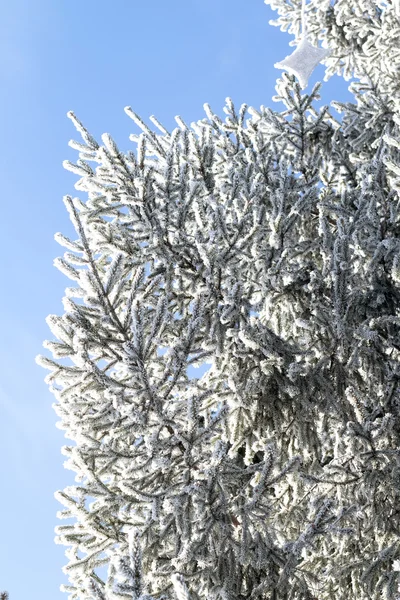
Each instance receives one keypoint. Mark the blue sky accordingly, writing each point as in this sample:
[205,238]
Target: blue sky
[94,57]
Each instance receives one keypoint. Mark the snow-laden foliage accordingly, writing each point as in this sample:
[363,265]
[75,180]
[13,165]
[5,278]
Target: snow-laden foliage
[362,35]
[265,247]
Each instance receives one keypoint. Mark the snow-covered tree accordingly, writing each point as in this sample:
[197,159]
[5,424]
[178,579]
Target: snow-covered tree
[265,246]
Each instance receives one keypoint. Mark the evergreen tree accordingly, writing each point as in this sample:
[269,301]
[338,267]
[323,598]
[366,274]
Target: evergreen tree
[266,245]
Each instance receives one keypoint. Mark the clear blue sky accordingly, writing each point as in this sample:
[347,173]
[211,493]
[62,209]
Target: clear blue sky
[94,57]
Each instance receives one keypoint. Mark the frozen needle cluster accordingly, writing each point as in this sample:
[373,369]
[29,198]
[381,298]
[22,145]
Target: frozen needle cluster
[264,247]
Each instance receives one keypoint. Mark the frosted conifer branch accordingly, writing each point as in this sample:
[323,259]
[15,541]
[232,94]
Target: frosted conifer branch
[234,344]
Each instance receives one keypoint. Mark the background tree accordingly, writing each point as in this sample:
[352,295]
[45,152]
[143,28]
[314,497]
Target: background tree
[266,246]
